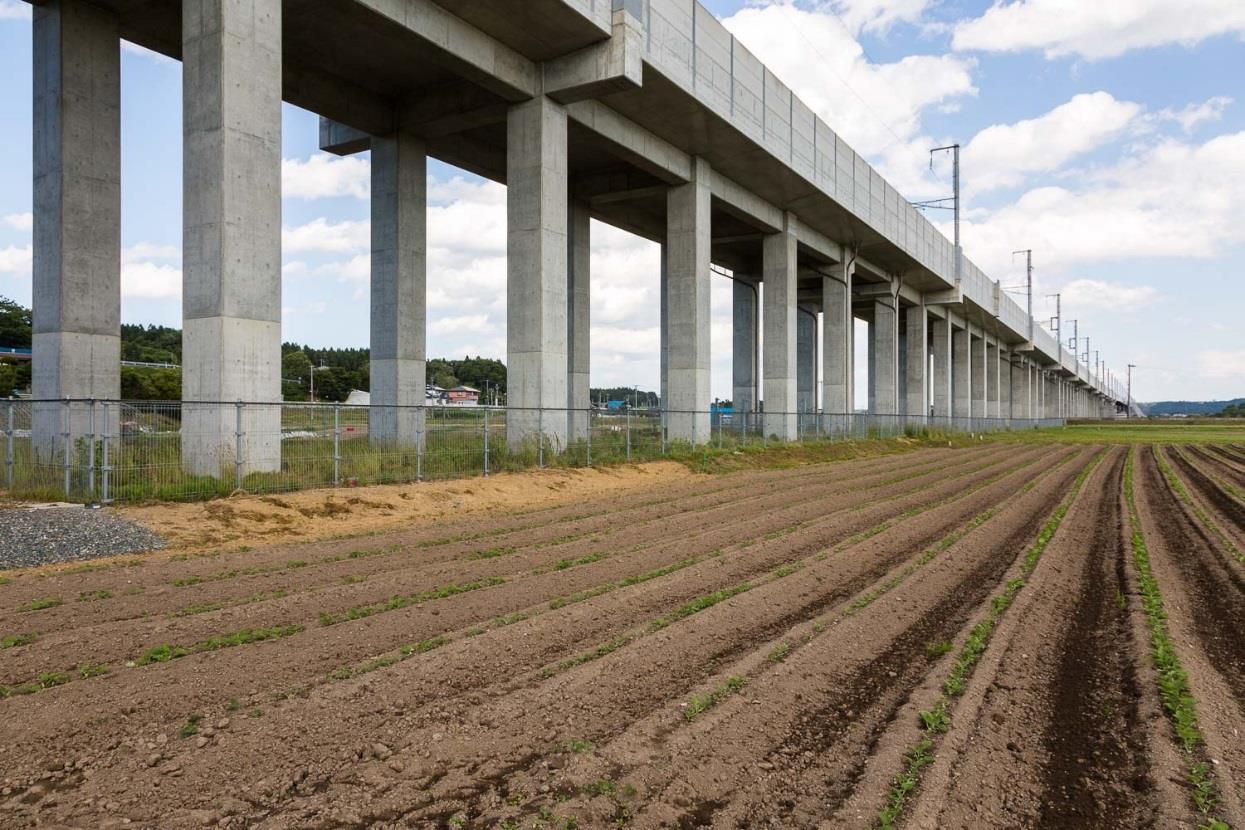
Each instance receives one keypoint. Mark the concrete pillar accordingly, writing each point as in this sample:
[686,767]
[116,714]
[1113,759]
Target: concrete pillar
[978,382]
[941,387]
[778,255]
[1020,390]
[663,320]
[399,294]
[687,306]
[231,249]
[77,215]
[806,360]
[1003,371]
[991,370]
[962,374]
[884,368]
[838,347]
[744,345]
[578,321]
[536,267]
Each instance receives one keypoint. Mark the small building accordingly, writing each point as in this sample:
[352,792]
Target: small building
[463,396]
[435,396]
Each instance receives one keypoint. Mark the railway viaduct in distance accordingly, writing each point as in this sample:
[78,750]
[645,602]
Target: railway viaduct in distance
[645,114]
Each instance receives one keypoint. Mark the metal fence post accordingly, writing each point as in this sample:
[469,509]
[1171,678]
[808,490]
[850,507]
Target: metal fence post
[540,438]
[589,438]
[419,444]
[628,433]
[486,440]
[65,443]
[337,445]
[237,446]
[8,450]
[105,468]
[90,470]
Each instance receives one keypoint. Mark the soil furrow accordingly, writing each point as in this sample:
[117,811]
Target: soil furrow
[1216,588]
[1230,510]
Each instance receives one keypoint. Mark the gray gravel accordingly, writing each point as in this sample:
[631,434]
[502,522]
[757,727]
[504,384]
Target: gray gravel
[39,536]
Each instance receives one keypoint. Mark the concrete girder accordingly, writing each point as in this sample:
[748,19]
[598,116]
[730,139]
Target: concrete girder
[614,65]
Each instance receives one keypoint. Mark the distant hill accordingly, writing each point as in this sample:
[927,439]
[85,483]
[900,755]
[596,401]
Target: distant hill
[1161,408]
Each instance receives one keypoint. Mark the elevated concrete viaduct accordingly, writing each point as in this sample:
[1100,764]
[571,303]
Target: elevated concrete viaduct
[644,114]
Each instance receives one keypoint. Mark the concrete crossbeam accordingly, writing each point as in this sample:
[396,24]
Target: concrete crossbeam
[688,241]
[611,66]
[779,323]
[744,309]
[399,295]
[77,208]
[231,98]
[578,320]
[536,272]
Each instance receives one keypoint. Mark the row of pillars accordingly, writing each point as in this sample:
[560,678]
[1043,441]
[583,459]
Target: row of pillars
[232,80]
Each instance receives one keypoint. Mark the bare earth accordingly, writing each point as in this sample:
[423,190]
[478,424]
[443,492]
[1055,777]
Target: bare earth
[641,647]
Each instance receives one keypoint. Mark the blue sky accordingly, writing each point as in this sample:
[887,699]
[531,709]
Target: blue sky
[1109,137]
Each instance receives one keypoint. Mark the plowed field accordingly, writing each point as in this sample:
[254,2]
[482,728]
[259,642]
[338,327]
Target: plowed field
[1002,636]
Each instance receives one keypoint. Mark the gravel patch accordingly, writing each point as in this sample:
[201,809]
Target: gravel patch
[43,535]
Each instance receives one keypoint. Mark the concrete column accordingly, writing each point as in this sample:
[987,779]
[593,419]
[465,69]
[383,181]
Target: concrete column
[663,320]
[916,363]
[231,249]
[536,268]
[77,215]
[941,388]
[806,360]
[744,345]
[978,382]
[962,374]
[991,371]
[884,371]
[578,321]
[687,306]
[399,290]
[778,254]
[1020,390]
[838,348]
[1003,370]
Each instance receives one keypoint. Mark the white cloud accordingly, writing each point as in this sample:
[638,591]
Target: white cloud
[329,237]
[876,107]
[149,250]
[876,15]
[16,259]
[1001,155]
[20,221]
[1170,199]
[14,10]
[324,175]
[1096,30]
[1108,296]
[1193,115]
[1222,364]
[461,324]
[150,281]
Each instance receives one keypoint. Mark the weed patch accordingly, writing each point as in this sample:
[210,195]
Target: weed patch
[699,704]
[15,640]
[358,612]
[94,596]
[40,604]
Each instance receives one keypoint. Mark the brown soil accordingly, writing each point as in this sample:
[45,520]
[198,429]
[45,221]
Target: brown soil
[551,686]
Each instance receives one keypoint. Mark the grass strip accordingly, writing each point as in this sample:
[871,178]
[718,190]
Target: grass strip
[1173,681]
[699,704]
[937,719]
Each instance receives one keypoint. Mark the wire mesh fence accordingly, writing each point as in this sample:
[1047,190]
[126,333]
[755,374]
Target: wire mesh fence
[105,451]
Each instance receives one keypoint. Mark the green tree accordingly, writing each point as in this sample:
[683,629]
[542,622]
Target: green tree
[14,325]
[8,379]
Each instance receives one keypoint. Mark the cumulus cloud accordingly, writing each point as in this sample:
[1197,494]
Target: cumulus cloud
[876,15]
[1108,296]
[328,237]
[20,221]
[1194,115]
[324,175]
[1097,30]
[1001,155]
[16,260]
[151,272]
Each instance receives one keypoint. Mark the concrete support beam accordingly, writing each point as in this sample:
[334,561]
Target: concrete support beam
[744,345]
[979,378]
[962,374]
[778,254]
[806,360]
[884,367]
[611,66]
[399,292]
[578,320]
[77,215]
[536,272]
[941,389]
[916,364]
[838,346]
[688,232]
[231,250]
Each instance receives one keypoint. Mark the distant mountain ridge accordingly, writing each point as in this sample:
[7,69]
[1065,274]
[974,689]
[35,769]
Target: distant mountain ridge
[1160,408]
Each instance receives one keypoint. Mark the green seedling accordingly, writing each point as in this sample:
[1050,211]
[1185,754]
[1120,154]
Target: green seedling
[14,640]
[40,604]
[191,727]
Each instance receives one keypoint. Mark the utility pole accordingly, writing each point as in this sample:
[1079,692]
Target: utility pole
[1028,252]
[1058,317]
[955,189]
[1128,410]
